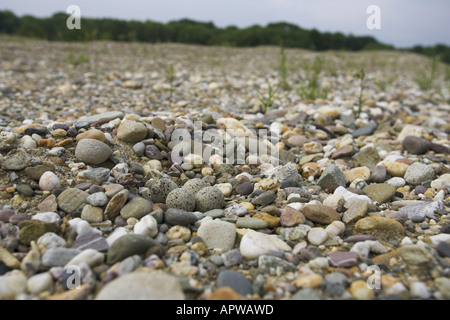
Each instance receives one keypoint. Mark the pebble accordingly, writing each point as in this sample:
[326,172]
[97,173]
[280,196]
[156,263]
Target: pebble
[6,214]
[264,198]
[335,228]
[142,286]
[418,212]
[416,145]
[320,213]
[396,182]
[181,217]
[334,284]
[181,198]
[104,115]
[97,175]
[39,283]
[34,229]
[116,203]
[131,131]
[72,201]
[380,227]
[291,217]
[195,185]
[59,256]
[89,256]
[12,284]
[49,217]
[254,244]
[218,234]
[128,245]
[443,248]
[378,174]
[209,198]
[179,233]
[419,289]
[357,209]
[317,236]
[49,181]
[231,258]
[379,192]
[92,214]
[332,177]
[90,240]
[395,169]
[98,199]
[360,291]
[368,157]
[418,173]
[357,173]
[236,281]
[92,151]
[8,259]
[251,223]
[136,208]
[160,188]
[343,259]
[310,280]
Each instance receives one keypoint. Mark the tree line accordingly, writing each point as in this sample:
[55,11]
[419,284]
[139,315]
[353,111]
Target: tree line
[194,32]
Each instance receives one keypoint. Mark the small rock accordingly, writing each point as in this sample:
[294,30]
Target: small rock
[380,227]
[217,234]
[368,157]
[357,173]
[49,204]
[90,240]
[72,201]
[35,229]
[92,134]
[231,258]
[360,291]
[128,245]
[12,284]
[317,236]
[209,198]
[17,159]
[265,198]
[89,256]
[181,198]
[418,212]
[152,152]
[98,199]
[296,140]
[310,280]
[116,203]
[92,214]
[379,174]
[343,259]
[142,286]
[443,248]
[91,151]
[416,145]
[357,210]
[131,131]
[291,217]
[195,185]
[136,208]
[251,223]
[49,217]
[160,188]
[181,217]
[418,173]
[320,213]
[236,281]
[379,192]
[332,177]
[365,131]
[49,181]
[59,256]
[395,169]
[97,175]
[253,244]
[39,283]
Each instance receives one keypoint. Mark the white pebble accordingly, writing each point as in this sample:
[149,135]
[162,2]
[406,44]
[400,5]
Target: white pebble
[39,283]
[116,234]
[28,142]
[56,151]
[362,249]
[376,246]
[50,240]
[299,246]
[317,236]
[89,256]
[49,181]
[318,263]
[419,289]
[226,188]
[442,237]
[335,228]
[50,217]
[405,241]
[147,226]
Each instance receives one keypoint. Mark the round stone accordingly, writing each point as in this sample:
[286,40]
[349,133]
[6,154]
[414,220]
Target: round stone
[181,198]
[416,145]
[136,208]
[146,226]
[92,134]
[98,199]
[159,189]
[92,151]
[72,200]
[92,214]
[244,188]
[195,185]
[131,131]
[181,217]
[317,236]
[217,234]
[209,198]
[49,181]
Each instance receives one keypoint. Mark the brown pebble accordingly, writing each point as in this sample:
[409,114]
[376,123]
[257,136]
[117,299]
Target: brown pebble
[49,143]
[92,134]
[15,219]
[64,143]
[320,213]
[225,293]
[291,217]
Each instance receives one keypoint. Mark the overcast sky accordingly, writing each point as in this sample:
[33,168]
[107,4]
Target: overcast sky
[404,23]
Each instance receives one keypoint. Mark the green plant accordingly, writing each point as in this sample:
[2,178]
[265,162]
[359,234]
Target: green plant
[283,69]
[311,88]
[77,60]
[266,102]
[424,80]
[363,81]
[170,77]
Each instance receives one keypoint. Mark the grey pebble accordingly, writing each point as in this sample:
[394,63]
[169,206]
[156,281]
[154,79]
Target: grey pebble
[236,281]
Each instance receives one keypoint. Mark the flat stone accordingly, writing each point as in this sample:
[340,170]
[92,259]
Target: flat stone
[181,217]
[343,152]
[365,131]
[218,234]
[98,199]
[17,159]
[34,229]
[381,227]
[231,258]
[114,205]
[49,204]
[136,208]
[265,198]
[128,245]
[58,256]
[379,174]
[332,177]
[343,259]
[6,214]
[418,212]
[357,210]
[90,240]
[152,152]
[72,201]
[368,157]
[320,213]
[97,175]
[142,286]
[418,258]
[416,145]
[92,214]
[379,192]
[105,115]
[251,223]
[236,281]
